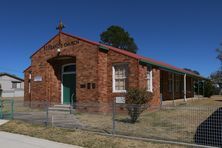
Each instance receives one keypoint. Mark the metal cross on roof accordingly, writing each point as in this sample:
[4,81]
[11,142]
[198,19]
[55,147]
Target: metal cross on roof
[60,26]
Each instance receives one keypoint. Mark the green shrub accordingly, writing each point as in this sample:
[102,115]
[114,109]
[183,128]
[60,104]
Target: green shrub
[137,101]
[208,89]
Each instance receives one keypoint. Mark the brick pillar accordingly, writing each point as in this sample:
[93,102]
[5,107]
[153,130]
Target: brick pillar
[156,87]
[102,78]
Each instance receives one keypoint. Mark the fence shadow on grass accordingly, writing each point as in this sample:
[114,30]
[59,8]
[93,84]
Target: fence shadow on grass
[209,132]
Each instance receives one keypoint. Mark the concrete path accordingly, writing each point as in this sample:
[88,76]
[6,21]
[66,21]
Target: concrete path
[9,140]
[3,121]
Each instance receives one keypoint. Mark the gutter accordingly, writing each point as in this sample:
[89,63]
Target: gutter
[170,69]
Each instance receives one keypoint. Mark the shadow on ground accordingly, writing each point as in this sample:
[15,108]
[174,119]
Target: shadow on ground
[209,132]
[218,100]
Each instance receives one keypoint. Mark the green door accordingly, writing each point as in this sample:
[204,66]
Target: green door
[69,88]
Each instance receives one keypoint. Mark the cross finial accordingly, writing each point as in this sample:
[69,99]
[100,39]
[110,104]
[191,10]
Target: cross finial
[60,26]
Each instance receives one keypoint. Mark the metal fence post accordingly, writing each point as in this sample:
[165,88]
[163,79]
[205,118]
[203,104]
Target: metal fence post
[47,113]
[1,106]
[161,100]
[52,121]
[113,118]
[12,108]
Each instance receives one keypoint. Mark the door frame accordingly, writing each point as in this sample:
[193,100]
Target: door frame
[63,73]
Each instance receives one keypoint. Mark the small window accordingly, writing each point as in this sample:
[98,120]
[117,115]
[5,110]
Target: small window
[69,68]
[16,85]
[149,79]
[88,85]
[119,78]
[82,85]
[93,85]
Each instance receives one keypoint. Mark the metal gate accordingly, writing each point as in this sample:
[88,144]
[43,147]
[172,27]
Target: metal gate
[6,108]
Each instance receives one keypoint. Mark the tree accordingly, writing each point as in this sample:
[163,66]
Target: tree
[219,56]
[208,89]
[137,102]
[216,79]
[117,37]
[193,71]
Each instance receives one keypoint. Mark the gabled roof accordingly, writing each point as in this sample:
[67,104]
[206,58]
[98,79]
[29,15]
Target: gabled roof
[10,75]
[132,55]
[27,68]
[44,45]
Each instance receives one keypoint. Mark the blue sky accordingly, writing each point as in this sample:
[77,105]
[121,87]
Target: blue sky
[184,33]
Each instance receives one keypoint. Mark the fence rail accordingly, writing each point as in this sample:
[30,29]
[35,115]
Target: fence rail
[182,124]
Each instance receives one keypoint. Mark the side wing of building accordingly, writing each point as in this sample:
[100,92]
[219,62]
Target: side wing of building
[11,86]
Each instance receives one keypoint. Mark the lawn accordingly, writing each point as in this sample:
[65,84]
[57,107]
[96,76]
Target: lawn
[77,137]
[168,123]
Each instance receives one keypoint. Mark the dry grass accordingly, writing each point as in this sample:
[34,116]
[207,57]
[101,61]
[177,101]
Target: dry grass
[178,123]
[76,137]
[171,123]
[214,101]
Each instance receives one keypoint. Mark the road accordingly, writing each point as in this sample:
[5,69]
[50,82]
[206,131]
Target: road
[9,140]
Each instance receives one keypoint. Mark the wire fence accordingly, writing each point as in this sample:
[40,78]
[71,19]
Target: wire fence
[200,125]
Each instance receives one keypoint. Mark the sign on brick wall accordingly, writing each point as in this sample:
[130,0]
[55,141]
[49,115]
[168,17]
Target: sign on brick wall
[120,100]
[61,45]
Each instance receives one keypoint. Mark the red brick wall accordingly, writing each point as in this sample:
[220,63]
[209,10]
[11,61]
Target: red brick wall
[156,82]
[92,66]
[115,58]
[180,94]
[102,76]
[156,87]
[85,57]
[27,95]
[190,89]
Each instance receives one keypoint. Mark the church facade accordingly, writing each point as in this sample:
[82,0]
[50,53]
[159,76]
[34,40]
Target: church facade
[69,69]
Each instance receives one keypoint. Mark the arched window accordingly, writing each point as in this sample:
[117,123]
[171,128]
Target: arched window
[71,68]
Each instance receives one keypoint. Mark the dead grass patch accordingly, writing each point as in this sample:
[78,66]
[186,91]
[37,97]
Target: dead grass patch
[76,137]
[174,123]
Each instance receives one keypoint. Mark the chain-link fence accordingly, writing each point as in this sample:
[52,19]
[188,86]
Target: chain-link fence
[183,123]
[196,125]
[6,108]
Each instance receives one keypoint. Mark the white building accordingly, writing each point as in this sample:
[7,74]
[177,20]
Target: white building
[11,85]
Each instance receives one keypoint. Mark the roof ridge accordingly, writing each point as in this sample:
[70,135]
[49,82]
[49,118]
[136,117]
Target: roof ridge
[137,56]
[11,75]
[130,54]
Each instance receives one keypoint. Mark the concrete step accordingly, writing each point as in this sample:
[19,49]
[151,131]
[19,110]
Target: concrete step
[58,109]
[62,105]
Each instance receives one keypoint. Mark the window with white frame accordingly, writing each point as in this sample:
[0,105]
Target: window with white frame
[170,82]
[149,79]
[119,77]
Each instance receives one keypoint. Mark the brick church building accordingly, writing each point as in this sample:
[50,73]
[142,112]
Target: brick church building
[72,69]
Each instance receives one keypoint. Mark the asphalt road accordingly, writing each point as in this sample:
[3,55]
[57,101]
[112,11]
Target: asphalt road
[9,140]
